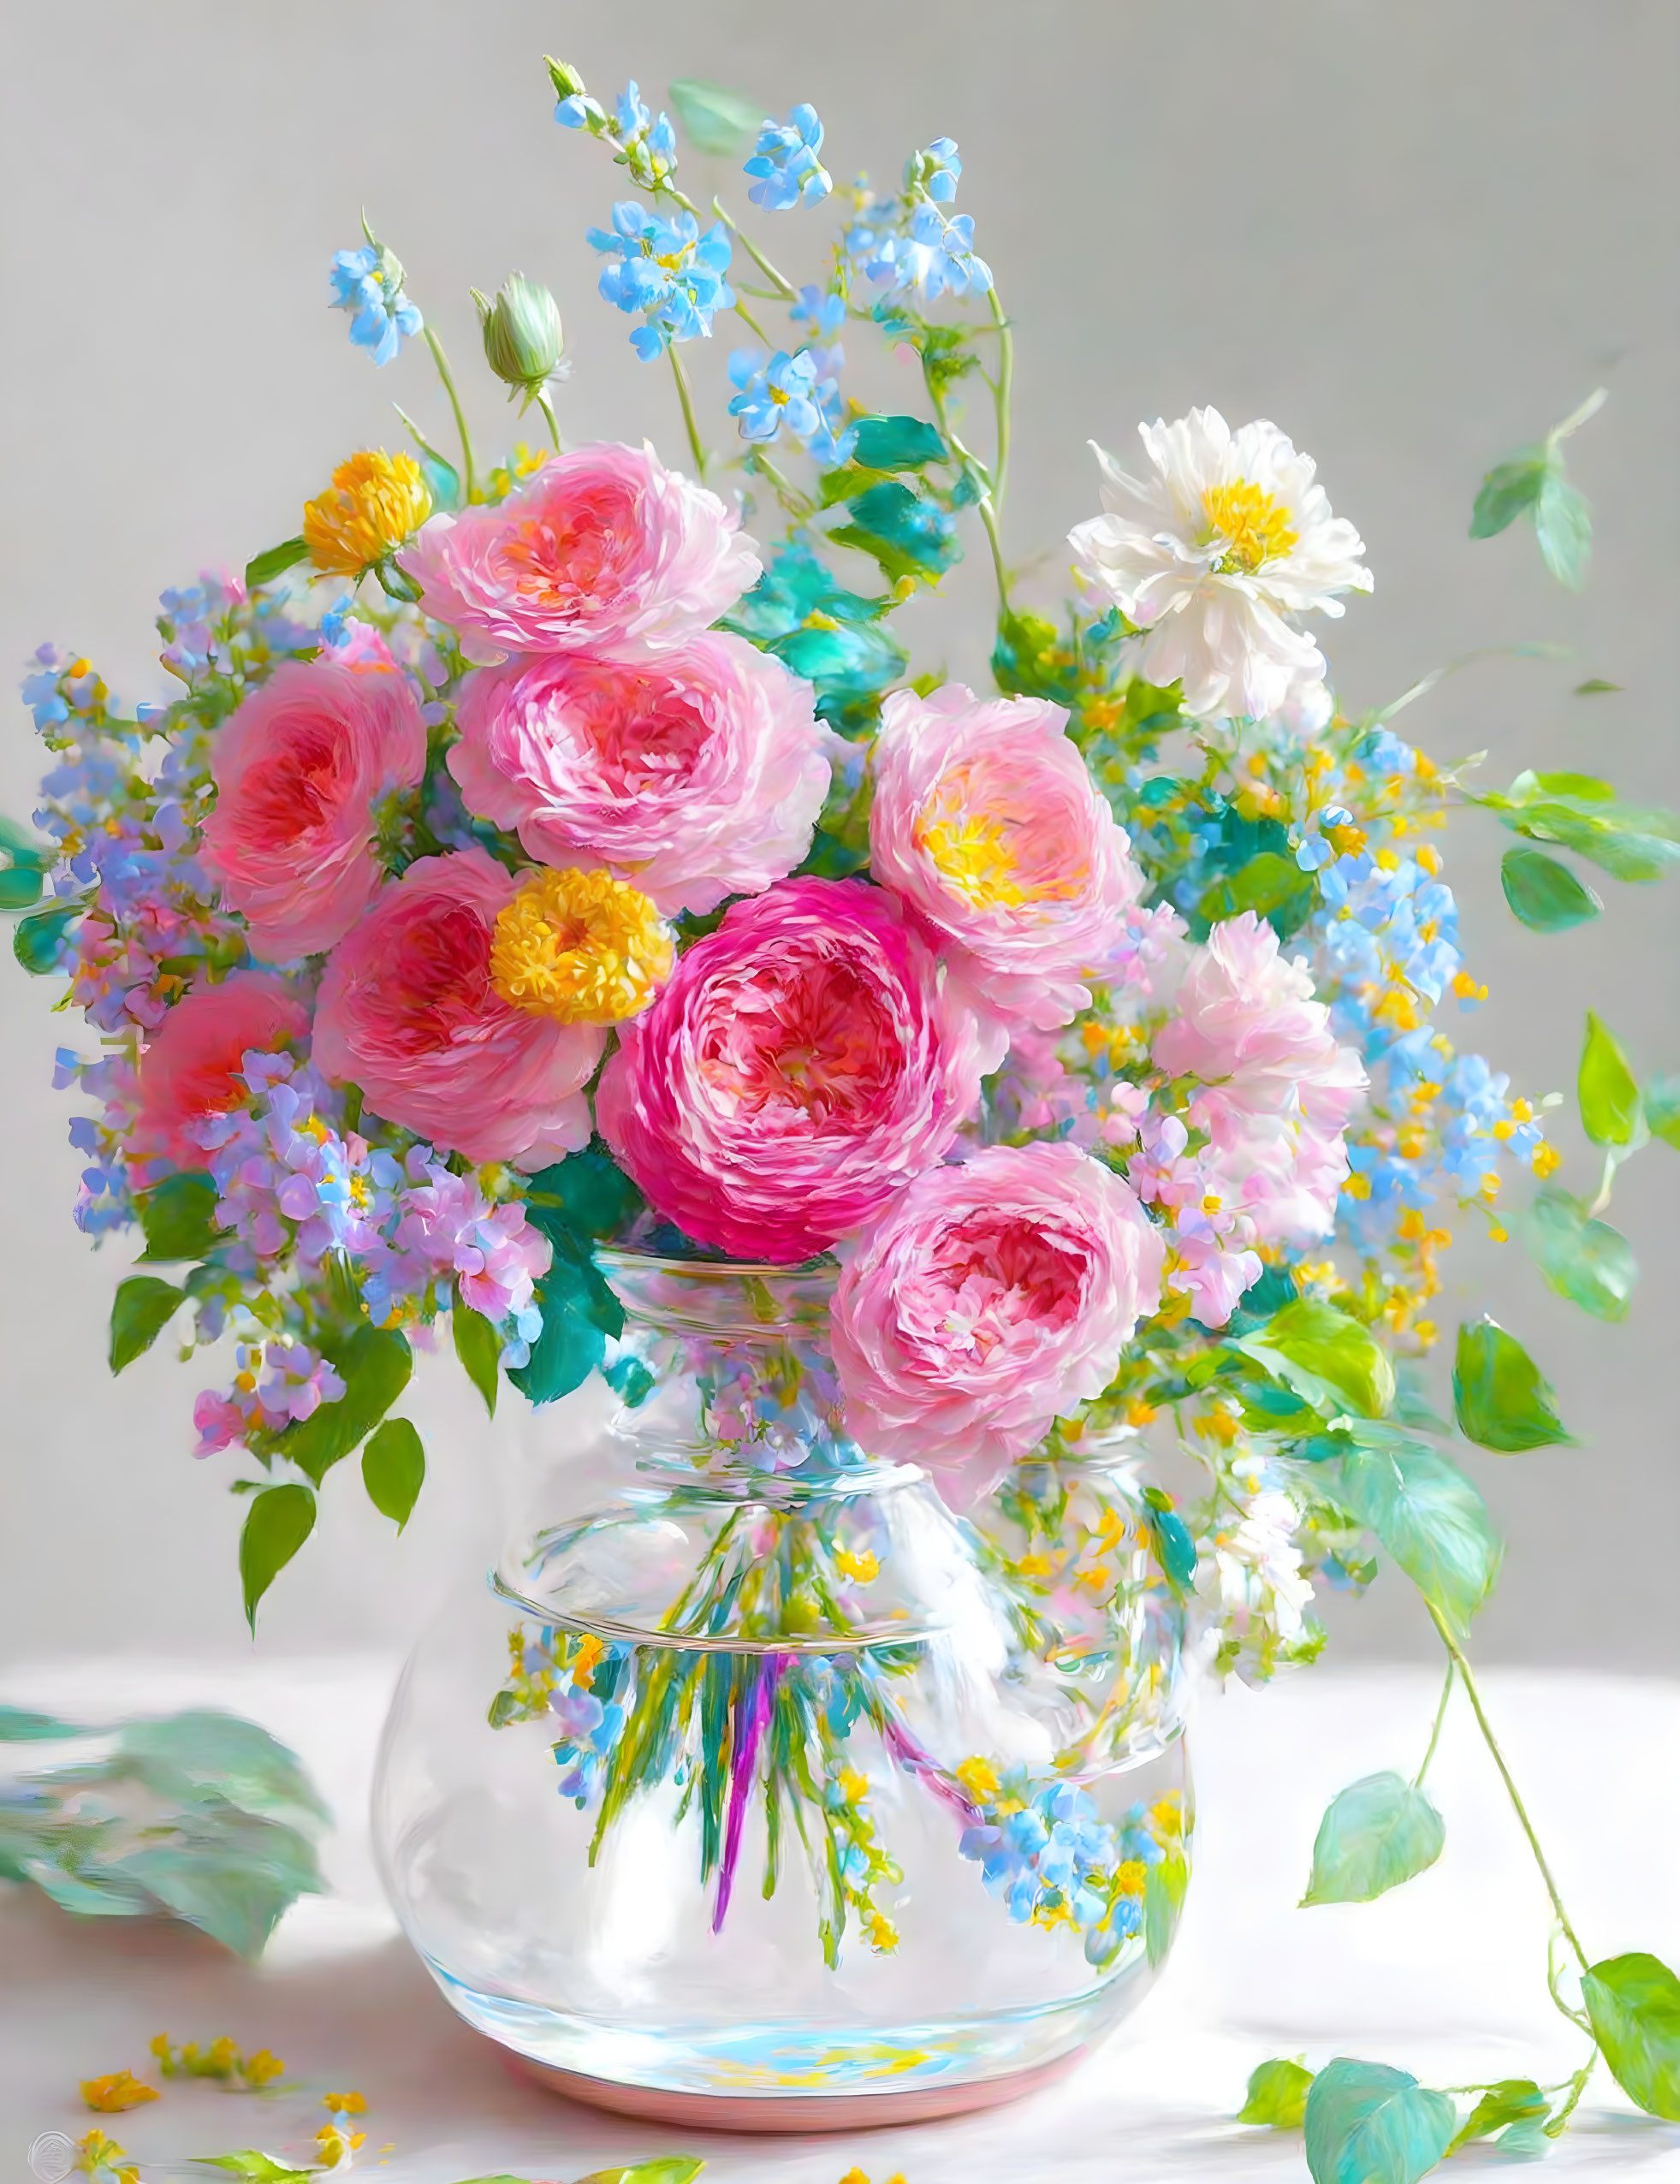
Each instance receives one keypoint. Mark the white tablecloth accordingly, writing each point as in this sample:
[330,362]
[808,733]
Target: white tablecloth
[1445,1977]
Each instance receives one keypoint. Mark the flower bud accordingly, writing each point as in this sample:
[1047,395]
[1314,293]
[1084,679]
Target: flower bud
[522,335]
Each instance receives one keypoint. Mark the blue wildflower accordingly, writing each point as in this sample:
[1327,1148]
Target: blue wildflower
[649,145]
[667,270]
[368,283]
[824,313]
[784,164]
[935,256]
[935,171]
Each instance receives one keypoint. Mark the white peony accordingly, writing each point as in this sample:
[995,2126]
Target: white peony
[1209,555]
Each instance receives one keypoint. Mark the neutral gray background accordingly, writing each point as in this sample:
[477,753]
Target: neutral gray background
[1415,235]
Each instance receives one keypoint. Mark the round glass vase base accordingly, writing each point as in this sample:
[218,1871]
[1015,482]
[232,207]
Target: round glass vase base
[805,2113]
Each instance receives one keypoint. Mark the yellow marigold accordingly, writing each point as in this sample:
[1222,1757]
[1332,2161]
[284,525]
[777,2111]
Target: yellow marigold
[121,2090]
[579,946]
[376,501]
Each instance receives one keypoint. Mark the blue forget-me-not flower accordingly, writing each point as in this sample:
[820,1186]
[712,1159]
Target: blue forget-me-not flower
[368,283]
[787,169]
[666,270]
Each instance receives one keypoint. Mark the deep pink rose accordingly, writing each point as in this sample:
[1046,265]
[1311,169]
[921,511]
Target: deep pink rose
[803,1063]
[602,550]
[989,1299]
[190,1069]
[298,769]
[406,1011]
[696,776]
[985,819]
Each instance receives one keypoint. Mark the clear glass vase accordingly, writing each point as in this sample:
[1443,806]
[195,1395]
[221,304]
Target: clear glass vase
[756,1787]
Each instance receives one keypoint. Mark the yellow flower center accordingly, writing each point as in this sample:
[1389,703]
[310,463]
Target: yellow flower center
[1256,528]
[582,946]
[973,853]
[376,501]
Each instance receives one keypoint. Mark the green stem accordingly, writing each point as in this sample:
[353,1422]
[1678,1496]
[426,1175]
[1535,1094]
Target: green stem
[1436,1733]
[796,502]
[1577,418]
[1577,2084]
[984,506]
[783,287]
[1467,1677]
[742,313]
[468,487]
[686,396]
[547,408]
[1606,1184]
[1002,388]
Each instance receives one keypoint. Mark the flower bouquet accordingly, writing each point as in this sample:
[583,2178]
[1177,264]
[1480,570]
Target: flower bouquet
[553,906]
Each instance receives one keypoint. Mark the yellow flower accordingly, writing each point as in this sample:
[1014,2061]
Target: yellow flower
[980,1778]
[111,2095]
[261,2068]
[861,1568]
[99,2156]
[376,501]
[345,2103]
[1545,1161]
[579,946]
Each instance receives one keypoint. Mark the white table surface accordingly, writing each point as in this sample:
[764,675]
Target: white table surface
[1445,1978]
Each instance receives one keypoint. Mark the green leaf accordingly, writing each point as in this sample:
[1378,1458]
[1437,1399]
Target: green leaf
[1545,894]
[374,1364]
[258,2168]
[1564,526]
[907,535]
[1499,1396]
[478,1347]
[142,1308]
[587,1190]
[441,474]
[1367,2124]
[1264,884]
[1375,1834]
[1276,2095]
[720,122]
[1634,2002]
[668,2169]
[36,938]
[262,567]
[1662,1109]
[24,847]
[19,1726]
[1325,1356]
[394,1469]
[1513,2100]
[1583,1259]
[1163,1891]
[279,1521]
[1630,842]
[232,1874]
[1431,1520]
[897,443]
[579,1311]
[1509,490]
[1606,1089]
[204,1752]
[19,887]
[1595,686]
[178,1217]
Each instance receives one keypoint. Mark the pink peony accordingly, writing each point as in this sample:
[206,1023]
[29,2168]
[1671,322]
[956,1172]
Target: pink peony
[192,1062]
[407,1012]
[1277,1091]
[803,1063]
[988,1300]
[299,770]
[602,550]
[986,821]
[697,775]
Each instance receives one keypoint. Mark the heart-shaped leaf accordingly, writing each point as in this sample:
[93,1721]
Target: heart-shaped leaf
[143,1307]
[1276,2095]
[278,1521]
[1606,1089]
[1431,1520]
[1367,2124]
[1375,1834]
[1583,1258]
[1634,2002]
[394,1469]
[1500,1397]
[1545,894]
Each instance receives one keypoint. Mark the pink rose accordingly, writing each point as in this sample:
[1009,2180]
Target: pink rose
[602,550]
[1277,1090]
[988,1300]
[298,769]
[697,775]
[986,821]
[191,1067]
[406,1011]
[803,1063]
